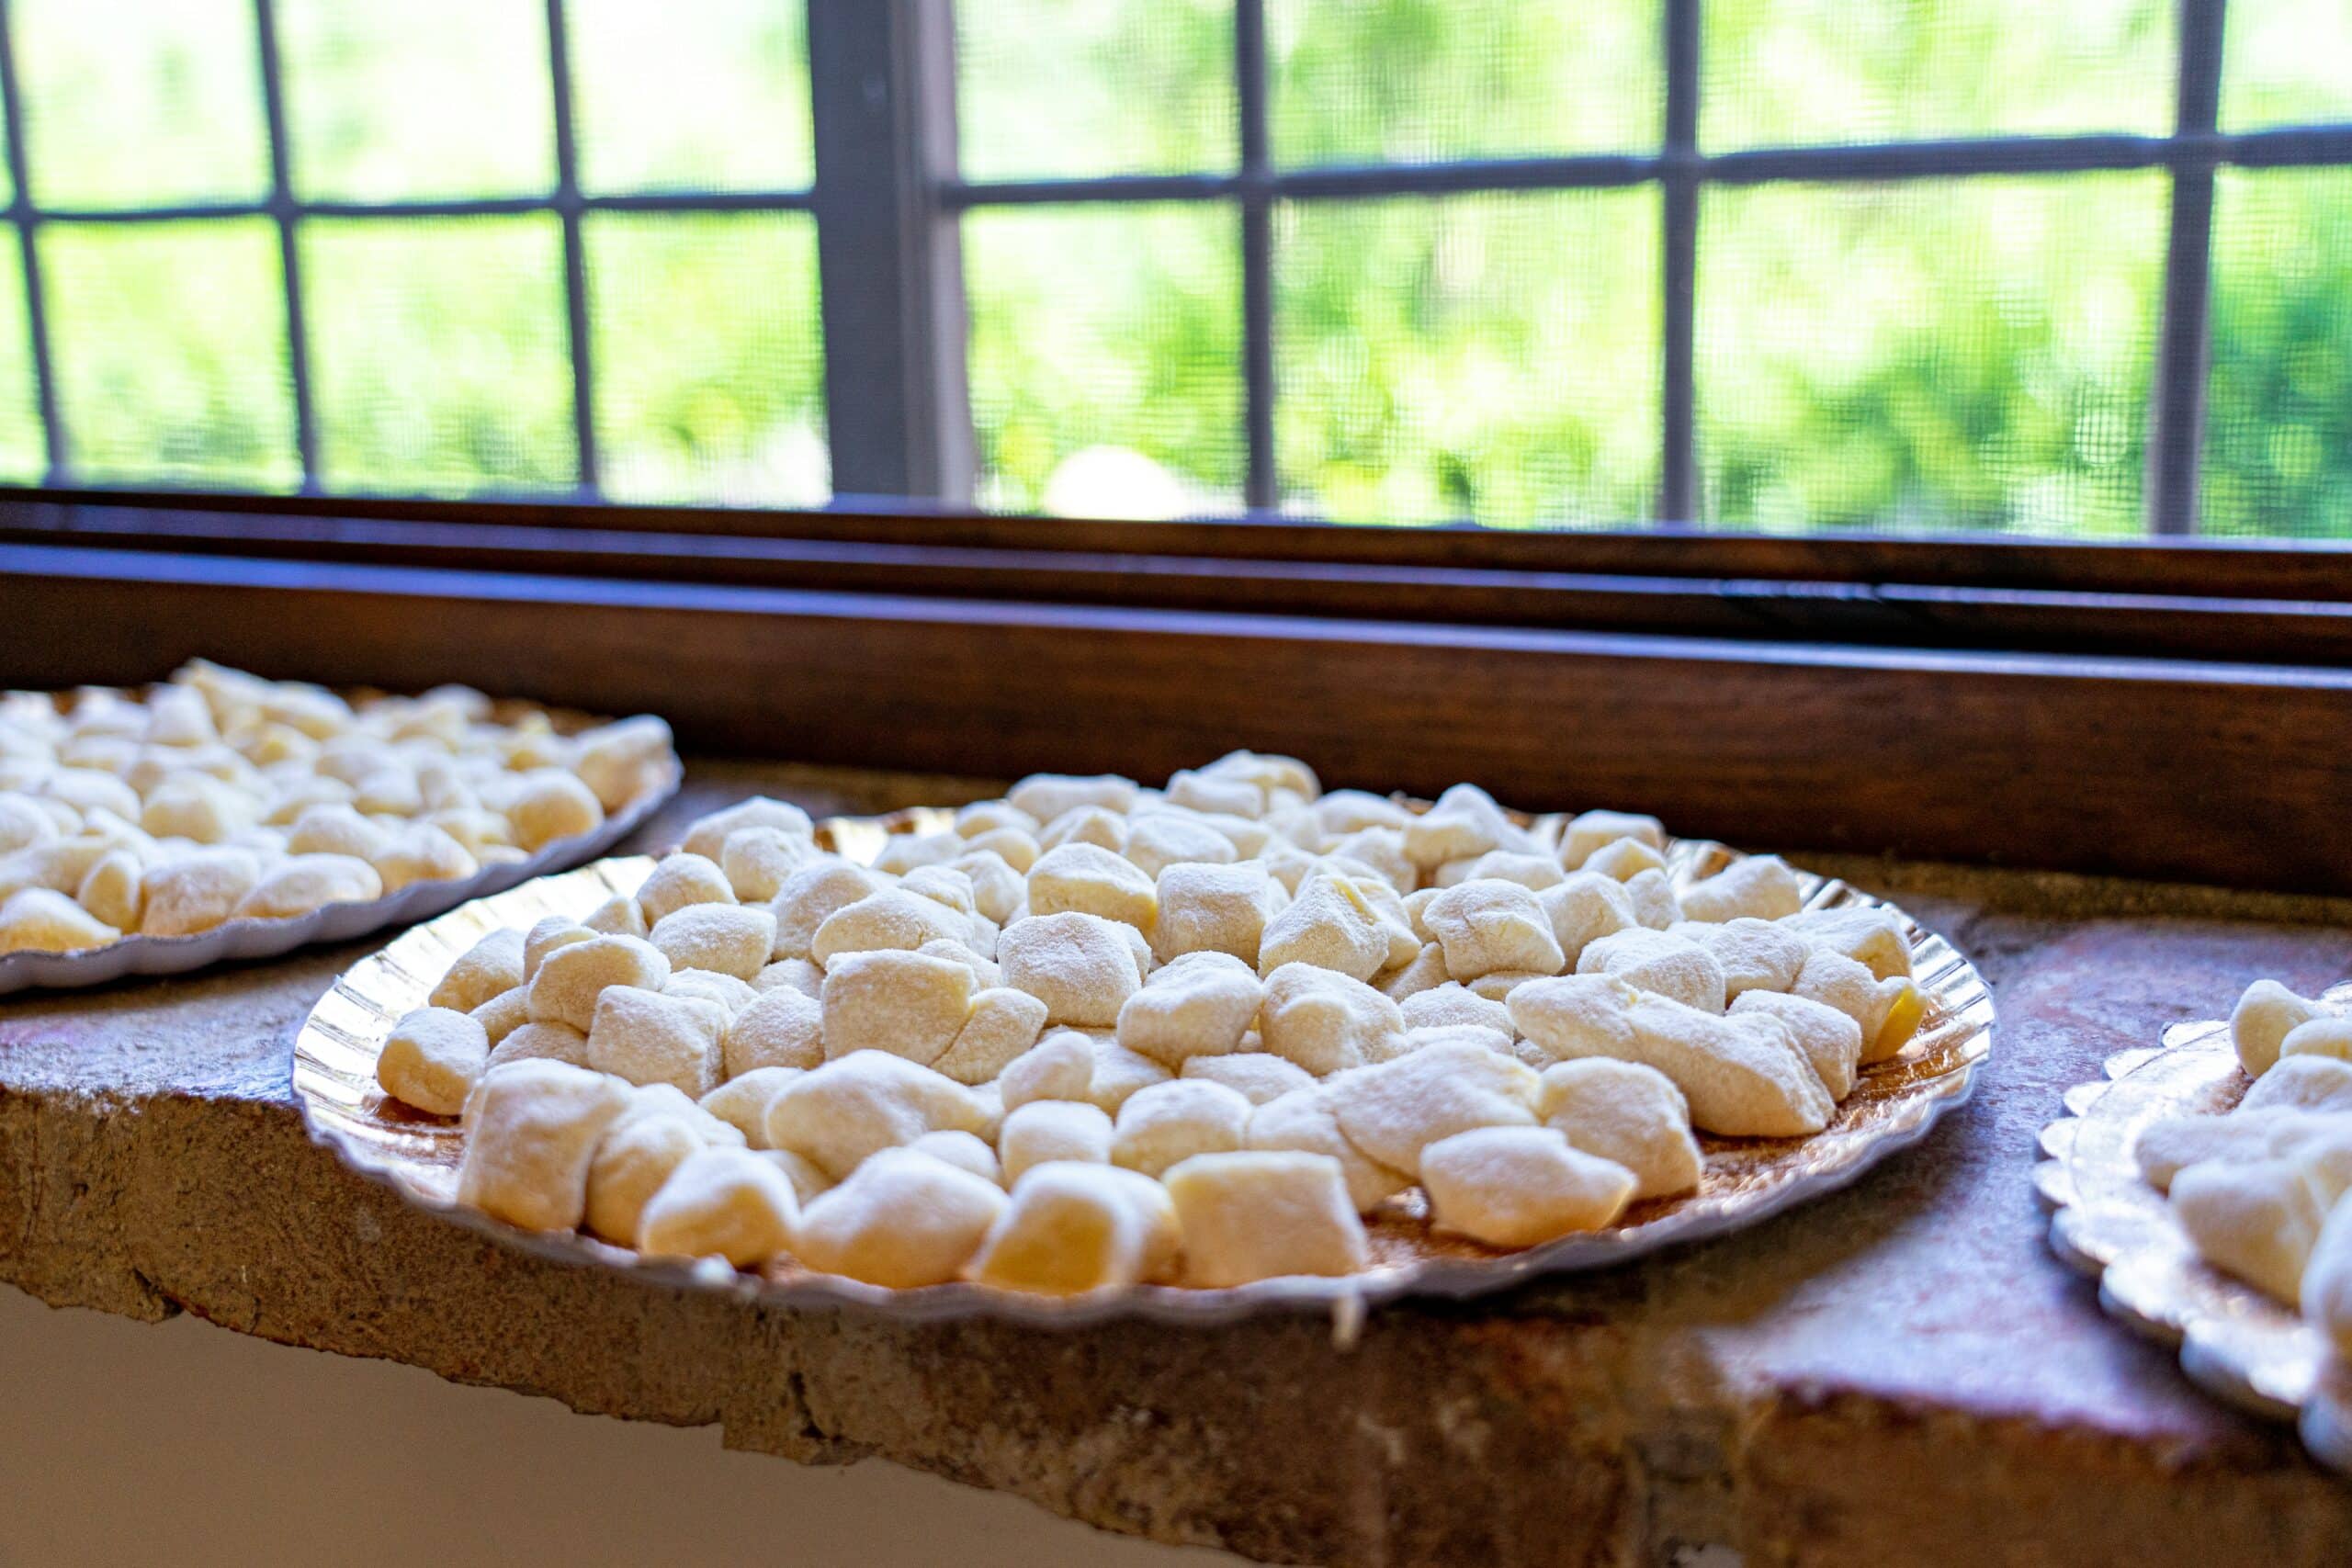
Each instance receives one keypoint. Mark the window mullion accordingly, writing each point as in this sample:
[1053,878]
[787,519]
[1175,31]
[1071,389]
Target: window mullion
[569,207]
[2177,429]
[1261,486]
[26,219]
[283,212]
[1677,484]
[882,97]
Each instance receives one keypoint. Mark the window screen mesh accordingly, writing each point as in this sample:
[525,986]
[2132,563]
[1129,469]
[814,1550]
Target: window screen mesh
[1449,277]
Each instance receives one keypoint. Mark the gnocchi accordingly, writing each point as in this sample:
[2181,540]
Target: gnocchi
[1094,1037]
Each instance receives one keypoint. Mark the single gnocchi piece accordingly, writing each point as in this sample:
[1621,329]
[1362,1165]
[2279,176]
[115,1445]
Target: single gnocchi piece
[1059,1066]
[1200,1005]
[1743,1077]
[1041,1131]
[1260,1214]
[1591,830]
[299,884]
[530,1042]
[1205,908]
[707,837]
[1258,1076]
[1166,1122]
[1624,859]
[2264,1015]
[1426,971]
[901,1219]
[682,881]
[432,1060]
[891,918]
[1000,1027]
[1091,880]
[1520,1186]
[1164,839]
[726,939]
[637,1155]
[1756,955]
[743,1099]
[856,1106]
[811,896]
[545,936]
[781,1027]
[2257,1221]
[1662,963]
[1074,1226]
[1079,966]
[646,1037]
[1759,887]
[1306,1121]
[2309,1081]
[1487,924]
[196,890]
[722,1202]
[1118,1073]
[1651,892]
[1395,1111]
[1888,1011]
[569,979]
[1870,936]
[551,805]
[42,920]
[1628,1114]
[1045,796]
[625,759]
[1830,1042]
[904,1003]
[1332,924]
[2330,1037]
[1326,1023]
[533,1129]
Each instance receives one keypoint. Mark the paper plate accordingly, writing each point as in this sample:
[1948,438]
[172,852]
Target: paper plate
[2235,1341]
[235,939]
[1747,1180]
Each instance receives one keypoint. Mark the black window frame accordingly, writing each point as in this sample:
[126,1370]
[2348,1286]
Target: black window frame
[888,200]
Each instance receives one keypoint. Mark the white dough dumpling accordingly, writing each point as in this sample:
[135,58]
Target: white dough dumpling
[1079,964]
[1520,1186]
[1166,1123]
[1263,1214]
[902,1219]
[904,1003]
[722,1202]
[1075,1227]
[533,1129]
[1626,1113]
[2263,1018]
[1043,1131]
[1327,1023]
[433,1058]
[850,1109]
[1395,1111]
[648,1037]
[1197,1005]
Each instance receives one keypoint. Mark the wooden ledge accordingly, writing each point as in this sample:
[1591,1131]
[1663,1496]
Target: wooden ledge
[1900,1373]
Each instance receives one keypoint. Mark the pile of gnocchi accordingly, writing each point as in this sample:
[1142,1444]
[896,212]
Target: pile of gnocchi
[2260,1190]
[221,796]
[1094,1035]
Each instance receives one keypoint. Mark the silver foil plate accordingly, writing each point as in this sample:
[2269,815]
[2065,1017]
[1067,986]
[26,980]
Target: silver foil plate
[1747,1180]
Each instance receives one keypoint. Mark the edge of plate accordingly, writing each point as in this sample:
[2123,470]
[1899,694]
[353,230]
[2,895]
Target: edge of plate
[2106,1223]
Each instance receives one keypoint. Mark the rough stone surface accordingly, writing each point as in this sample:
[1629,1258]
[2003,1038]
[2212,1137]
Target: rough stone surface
[1902,1374]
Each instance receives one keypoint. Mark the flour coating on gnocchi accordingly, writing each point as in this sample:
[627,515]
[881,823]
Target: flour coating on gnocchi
[1094,1035]
[217,797]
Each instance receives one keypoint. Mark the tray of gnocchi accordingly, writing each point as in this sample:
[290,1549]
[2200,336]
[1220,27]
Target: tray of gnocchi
[1092,1050]
[217,816]
[2203,1183]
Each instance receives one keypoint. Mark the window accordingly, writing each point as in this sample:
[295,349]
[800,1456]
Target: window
[1935,266]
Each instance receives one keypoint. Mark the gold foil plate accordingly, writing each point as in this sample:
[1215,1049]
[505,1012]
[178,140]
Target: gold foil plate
[1747,1180]
[2235,1341]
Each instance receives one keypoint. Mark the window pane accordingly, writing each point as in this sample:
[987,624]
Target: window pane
[137,102]
[1931,356]
[2278,408]
[710,376]
[23,458]
[1067,87]
[170,346]
[439,350]
[1106,359]
[2286,62]
[1812,70]
[1494,358]
[716,102]
[1411,80]
[422,98]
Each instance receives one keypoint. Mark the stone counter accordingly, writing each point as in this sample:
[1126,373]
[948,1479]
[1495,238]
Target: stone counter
[1900,1373]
